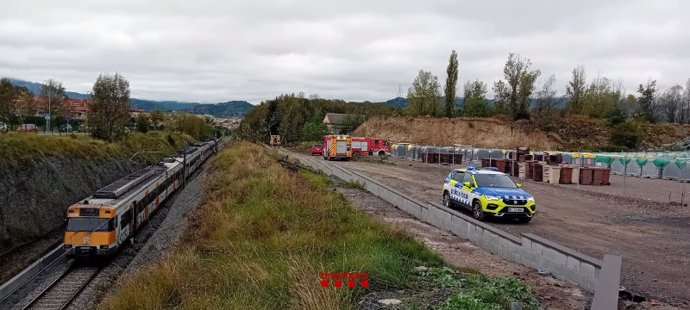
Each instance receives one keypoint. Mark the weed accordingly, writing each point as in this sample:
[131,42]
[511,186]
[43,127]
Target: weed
[443,277]
[354,185]
[482,292]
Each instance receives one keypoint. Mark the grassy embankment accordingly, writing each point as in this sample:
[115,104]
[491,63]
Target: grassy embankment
[263,236]
[19,149]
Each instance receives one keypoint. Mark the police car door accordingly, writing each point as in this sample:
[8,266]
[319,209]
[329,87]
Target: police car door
[456,185]
[466,192]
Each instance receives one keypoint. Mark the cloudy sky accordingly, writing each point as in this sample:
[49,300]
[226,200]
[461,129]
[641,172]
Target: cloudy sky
[210,51]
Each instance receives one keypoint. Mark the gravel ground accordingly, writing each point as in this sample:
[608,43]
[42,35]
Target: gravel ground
[553,294]
[653,238]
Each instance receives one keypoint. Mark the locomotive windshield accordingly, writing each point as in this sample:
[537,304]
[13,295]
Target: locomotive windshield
[90,224]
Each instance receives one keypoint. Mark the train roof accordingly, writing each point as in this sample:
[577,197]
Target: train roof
[129,183]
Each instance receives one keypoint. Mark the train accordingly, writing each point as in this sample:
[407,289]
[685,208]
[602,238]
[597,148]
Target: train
[100,224]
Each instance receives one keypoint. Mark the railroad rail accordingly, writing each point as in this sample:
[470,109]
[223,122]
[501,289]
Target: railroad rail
[60,293]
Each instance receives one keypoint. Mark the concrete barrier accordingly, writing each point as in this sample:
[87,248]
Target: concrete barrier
[528,249]
[606,296]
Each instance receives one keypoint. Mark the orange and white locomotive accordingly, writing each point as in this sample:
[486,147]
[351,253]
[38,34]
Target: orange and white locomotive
[101,223]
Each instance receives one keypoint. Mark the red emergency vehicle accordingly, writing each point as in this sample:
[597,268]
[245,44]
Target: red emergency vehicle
[371,146]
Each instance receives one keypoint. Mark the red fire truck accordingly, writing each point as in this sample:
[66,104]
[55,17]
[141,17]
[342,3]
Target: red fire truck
[371,146]
[337,147]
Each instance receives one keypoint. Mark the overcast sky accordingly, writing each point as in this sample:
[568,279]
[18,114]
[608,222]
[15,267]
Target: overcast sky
[211,51]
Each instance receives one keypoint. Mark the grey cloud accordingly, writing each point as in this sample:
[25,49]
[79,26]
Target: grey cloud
[213,51]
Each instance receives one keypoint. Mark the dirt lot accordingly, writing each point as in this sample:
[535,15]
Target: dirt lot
[664,191]
[652,237]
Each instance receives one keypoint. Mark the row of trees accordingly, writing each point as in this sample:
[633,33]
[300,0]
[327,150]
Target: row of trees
[518,95]
[297,118]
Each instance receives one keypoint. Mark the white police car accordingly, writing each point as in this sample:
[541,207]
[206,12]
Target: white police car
[487,192]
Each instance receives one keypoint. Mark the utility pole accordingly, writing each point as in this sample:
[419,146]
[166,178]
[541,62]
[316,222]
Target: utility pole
[50,117]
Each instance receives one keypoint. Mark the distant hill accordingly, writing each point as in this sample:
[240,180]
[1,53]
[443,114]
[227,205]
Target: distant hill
[223,109]
[398,102]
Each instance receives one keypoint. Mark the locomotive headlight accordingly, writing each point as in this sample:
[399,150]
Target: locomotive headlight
[530,199]
[492,197]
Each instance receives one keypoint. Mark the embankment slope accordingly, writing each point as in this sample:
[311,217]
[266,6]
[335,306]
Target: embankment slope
[40,176]
[570,133]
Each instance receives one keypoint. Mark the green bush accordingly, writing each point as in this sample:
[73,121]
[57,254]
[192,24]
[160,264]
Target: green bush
[628,134]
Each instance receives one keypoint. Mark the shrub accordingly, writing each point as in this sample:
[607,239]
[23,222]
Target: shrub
[628,134]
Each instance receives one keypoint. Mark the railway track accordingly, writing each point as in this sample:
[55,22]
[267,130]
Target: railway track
[61,292]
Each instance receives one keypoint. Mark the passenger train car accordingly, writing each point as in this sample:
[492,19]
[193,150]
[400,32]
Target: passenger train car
[101,223]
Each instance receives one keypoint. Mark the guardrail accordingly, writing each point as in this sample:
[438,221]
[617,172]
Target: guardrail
[528,249]
[14,284]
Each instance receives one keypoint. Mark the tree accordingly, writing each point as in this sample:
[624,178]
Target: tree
[647,103]
[518,87]
[545,111]
[53,97]
[8,100]
[451,83]
[109,107]
[423,95]
[501,98]
[157,118]
[684,114]
[474,101]
[575,90]
[143,123]
[671,102]
[601,99]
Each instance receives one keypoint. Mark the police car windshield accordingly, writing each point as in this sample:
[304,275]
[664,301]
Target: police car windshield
[494,180]
[88,224]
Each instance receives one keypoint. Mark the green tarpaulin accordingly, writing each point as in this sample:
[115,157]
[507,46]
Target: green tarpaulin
[624,161]
[603,159]
[641,161]
[680,163]
[659,162]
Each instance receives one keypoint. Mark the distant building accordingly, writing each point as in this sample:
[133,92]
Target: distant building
[78,108]
[136,112]
[339,123]
[70,108]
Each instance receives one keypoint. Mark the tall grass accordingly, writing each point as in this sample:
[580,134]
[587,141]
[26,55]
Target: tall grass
[261,239]
[19,149]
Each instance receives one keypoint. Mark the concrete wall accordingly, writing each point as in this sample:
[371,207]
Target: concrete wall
[528,249]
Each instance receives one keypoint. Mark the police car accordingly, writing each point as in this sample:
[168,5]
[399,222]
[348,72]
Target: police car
[487,192]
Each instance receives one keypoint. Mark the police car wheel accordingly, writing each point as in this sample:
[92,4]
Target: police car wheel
[446,200]
[477,212]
